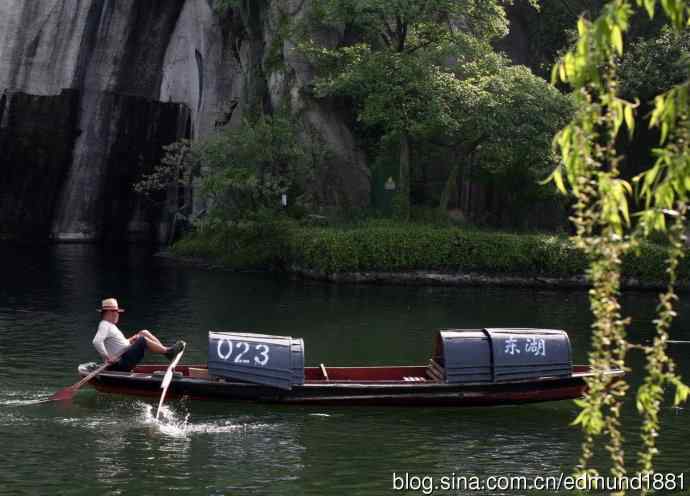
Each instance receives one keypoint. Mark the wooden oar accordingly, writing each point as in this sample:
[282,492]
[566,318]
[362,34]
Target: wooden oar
[167,379]
[69,392]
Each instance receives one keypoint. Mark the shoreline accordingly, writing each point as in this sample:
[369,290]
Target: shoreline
[426,277]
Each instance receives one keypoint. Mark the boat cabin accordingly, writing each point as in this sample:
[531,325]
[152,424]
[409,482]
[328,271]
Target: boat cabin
[500,355]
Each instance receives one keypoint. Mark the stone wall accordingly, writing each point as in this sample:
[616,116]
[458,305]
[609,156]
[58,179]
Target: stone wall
[140,74]
[37,134]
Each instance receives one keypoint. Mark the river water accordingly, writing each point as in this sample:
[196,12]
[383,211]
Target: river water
[111,445]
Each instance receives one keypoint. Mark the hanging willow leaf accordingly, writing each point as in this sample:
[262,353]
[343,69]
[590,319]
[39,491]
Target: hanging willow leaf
[630,120]
[682,393]
[649,5]
[557,178]
[659,104]
[617,39]
[602,214]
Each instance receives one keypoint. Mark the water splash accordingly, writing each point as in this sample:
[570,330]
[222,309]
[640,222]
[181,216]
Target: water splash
[174,424]
[165,419]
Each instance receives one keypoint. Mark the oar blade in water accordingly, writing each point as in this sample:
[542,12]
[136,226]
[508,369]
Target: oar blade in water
[64,394]
[167,379]
[69,392]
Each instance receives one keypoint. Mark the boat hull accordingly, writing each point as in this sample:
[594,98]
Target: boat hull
[146,381]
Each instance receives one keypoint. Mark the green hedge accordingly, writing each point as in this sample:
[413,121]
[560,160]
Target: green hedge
[386,246]
[398,248]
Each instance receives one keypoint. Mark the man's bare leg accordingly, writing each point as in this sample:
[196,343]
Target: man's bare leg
[155,346]
[150,337]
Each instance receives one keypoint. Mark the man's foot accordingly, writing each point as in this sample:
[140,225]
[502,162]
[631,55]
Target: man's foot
[173,351]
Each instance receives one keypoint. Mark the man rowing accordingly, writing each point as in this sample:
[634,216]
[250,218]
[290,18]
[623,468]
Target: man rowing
[122,353]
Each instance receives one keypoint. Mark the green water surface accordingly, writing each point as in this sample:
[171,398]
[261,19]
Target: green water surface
[111,445]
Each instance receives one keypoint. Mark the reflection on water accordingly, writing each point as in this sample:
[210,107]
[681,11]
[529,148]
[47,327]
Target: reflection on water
[101,444]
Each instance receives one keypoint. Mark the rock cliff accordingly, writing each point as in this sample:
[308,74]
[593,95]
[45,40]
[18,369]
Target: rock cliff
[91,90]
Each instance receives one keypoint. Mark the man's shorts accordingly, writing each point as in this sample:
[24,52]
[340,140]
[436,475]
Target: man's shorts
[131,357]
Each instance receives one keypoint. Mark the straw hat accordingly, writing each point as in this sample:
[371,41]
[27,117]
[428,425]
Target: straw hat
[110,304]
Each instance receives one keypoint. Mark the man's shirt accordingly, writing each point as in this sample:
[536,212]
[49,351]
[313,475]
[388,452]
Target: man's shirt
[109,340]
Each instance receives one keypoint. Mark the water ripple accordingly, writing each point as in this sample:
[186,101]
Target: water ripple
[107,444]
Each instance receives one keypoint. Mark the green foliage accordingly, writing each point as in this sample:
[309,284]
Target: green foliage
[249,168]
[652,65]
[607,226]
[425,71]
[411,24]
[244,245]
[383,245]
[243,173]
[397,74]
[551,29]
[400,93]
[176,169]
[386,246]
[513,116]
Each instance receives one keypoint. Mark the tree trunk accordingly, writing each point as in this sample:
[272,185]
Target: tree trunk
[451,188]
[403,200]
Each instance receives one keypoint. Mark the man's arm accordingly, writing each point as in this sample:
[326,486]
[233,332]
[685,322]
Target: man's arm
[99,343]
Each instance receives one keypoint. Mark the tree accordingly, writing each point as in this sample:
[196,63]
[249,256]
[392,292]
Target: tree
[652,65]
[612,215]
[424,72]
[398,74]
[248,169]
[244,171]
[506,120]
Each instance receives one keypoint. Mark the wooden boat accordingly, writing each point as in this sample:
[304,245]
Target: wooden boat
[468,368]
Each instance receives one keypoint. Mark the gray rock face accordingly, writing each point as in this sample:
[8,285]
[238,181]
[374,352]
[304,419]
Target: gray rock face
[200,68]
[110,53]
[345,181]
[37,134]
[143,74]
[121,63]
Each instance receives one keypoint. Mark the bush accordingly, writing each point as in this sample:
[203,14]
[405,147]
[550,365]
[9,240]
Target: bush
[389,246]
[648,264]
[248,244]
[250,168]
[381,246]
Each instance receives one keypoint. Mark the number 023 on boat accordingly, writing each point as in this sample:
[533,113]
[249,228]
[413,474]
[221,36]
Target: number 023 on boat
[468,367]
